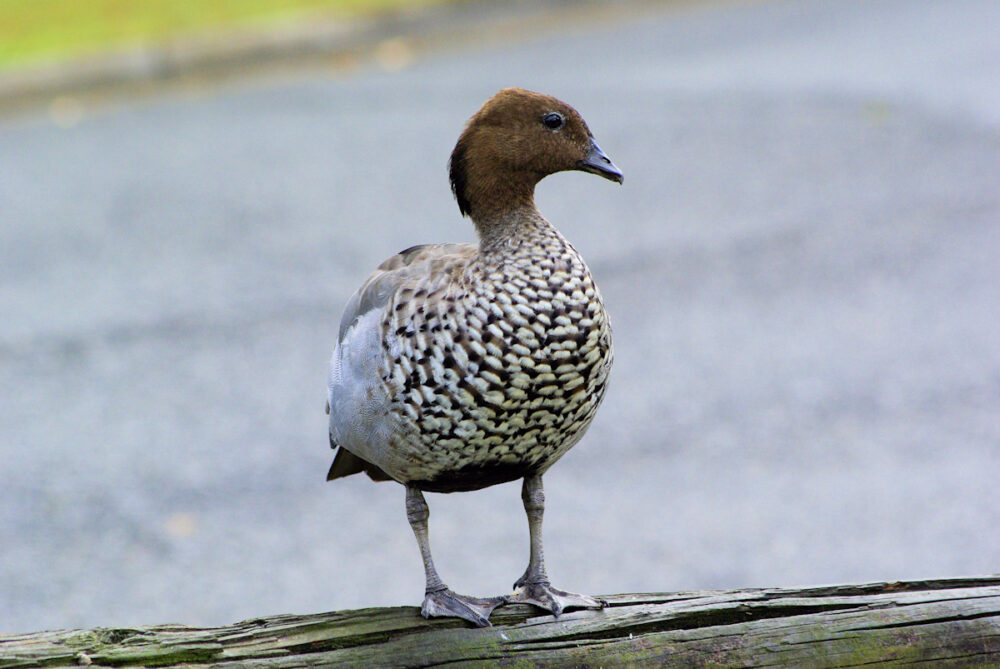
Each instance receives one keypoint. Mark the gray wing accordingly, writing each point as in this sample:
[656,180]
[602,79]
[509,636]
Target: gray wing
[361,422]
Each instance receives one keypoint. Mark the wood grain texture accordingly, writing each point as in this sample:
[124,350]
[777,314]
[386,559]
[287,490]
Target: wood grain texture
[943,623]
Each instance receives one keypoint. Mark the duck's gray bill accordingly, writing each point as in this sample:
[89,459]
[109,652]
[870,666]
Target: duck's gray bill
[598,163]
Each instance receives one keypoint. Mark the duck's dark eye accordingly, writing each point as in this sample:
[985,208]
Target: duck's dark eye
[553,121]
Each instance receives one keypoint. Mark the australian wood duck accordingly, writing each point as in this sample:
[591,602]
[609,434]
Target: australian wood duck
[460,366]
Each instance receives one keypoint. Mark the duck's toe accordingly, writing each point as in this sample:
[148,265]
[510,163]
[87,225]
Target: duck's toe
[543,595]
[445,603]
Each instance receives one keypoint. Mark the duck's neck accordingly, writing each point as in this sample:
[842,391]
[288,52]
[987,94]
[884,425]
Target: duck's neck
[499,201]
[503,231]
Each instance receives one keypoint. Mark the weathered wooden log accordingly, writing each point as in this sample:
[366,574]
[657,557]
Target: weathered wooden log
[944,623]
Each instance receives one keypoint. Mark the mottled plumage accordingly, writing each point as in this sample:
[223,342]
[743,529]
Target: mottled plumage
[484,367]
[460,366]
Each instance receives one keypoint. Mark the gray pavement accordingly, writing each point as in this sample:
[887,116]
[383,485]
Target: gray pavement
[801,268]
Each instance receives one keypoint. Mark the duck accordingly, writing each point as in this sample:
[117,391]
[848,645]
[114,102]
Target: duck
[460,366]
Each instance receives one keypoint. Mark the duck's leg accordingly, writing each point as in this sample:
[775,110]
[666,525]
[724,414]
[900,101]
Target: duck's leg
[439,600]
[534,587]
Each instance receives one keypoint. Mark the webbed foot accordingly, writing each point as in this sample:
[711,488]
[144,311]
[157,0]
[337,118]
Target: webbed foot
[445,603]
[543,595]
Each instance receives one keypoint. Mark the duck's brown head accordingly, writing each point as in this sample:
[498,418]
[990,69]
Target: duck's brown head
[513,142]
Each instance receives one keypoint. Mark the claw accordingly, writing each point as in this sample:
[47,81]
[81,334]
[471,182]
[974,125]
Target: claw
[445,603]
[543,595]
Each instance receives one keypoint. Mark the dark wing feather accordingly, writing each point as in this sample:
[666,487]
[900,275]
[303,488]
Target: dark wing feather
[346,463]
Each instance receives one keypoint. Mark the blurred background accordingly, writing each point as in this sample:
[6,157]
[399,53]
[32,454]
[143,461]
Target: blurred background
[801,269]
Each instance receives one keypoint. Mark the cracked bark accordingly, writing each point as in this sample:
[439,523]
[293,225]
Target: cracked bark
[945,623]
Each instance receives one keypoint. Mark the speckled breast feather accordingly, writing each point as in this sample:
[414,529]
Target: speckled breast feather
[491,365]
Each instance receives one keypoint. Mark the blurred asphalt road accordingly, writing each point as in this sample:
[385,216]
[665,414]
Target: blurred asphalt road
[802,267]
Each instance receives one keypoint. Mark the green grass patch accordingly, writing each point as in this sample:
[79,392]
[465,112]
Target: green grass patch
[33,31]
